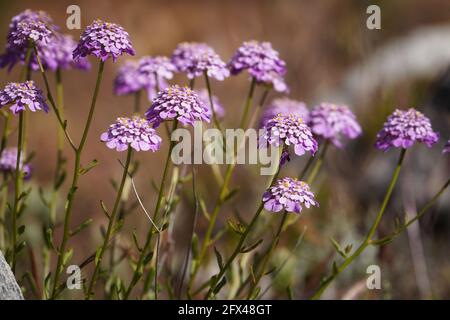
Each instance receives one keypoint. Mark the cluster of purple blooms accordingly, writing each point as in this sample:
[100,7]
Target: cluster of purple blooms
[178,103]
[403,128]
[8,161]
[285,106]
[262,63]
[22,96]
[288,194]
[103,40]
[135,132]
[287,130]
[332,122]
[195,59]
[54,49]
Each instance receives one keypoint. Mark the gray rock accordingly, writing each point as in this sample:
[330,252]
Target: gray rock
[9,289]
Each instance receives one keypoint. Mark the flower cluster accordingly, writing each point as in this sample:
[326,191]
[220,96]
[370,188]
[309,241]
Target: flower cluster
[332,122]
[178,103]
[159,65]
[288,194]
[36,26]
[289,130]
[103,40]
[135,132]
[446,147]
[218,107]
[195,59]
[403,128]
[262,62]
[128,79]
[284,106]
[58,54]
[8,162]
[22,96]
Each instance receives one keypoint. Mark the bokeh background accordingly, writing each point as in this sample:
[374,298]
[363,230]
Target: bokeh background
[331,56]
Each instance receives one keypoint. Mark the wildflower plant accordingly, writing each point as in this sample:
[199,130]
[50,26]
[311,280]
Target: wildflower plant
[286,125]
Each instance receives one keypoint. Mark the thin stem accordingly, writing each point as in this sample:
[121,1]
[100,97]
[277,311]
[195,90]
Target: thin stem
[211,102]
[111,224]
[74,184]
[237,250]
[268,255]
[17,191]
[138,272]
[369,235]
[55,108]
[222,194]
[318,163]
[248,103]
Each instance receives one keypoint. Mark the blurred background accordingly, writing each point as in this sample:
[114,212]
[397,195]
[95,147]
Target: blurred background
[331,56]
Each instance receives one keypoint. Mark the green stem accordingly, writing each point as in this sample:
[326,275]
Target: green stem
[211,102]
[111,224]
[222,194]
[138,272]
[74,184]
[369,235]
[318,164]
[17,192]
[240,244]
[268,255]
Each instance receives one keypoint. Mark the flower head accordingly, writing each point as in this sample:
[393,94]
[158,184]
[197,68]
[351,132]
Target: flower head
[284,106]
[8,161]
[290,195]
[446,147]
[218,107]
[135,132]
[332,122]
[159,65]
[178,103]
[289,130]
[22,96]
[58,54]
[128,79]
[405,127]
[198,58]
[35,26]
[262,63]
[103,40]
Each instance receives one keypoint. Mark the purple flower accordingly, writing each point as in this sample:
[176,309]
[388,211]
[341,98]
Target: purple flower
[290,195]
[22,96]
[180,103]
[103,40]
[135,132]
[262,63]
[128,79]
[403,128]
[332,122]
[58,54]
[289,130]
[8,161]
[27,25]
[446,147]
[218,107]
[159,65]
[197,58]
[284,106]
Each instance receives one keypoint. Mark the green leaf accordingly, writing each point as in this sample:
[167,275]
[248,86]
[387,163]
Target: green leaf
[195,252]
[148,258]
[203,208]
[81,227]
[97,256]
[236,226]
[338,248]
[21,230]
[60,181]
[67,257]
[104,209]
[335,268]
[136,242]
[252,247]
[220,285]
[348,248]
[48,237]
[90,166]
[20,246]
[230,195]
[219,258]
[290,293]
